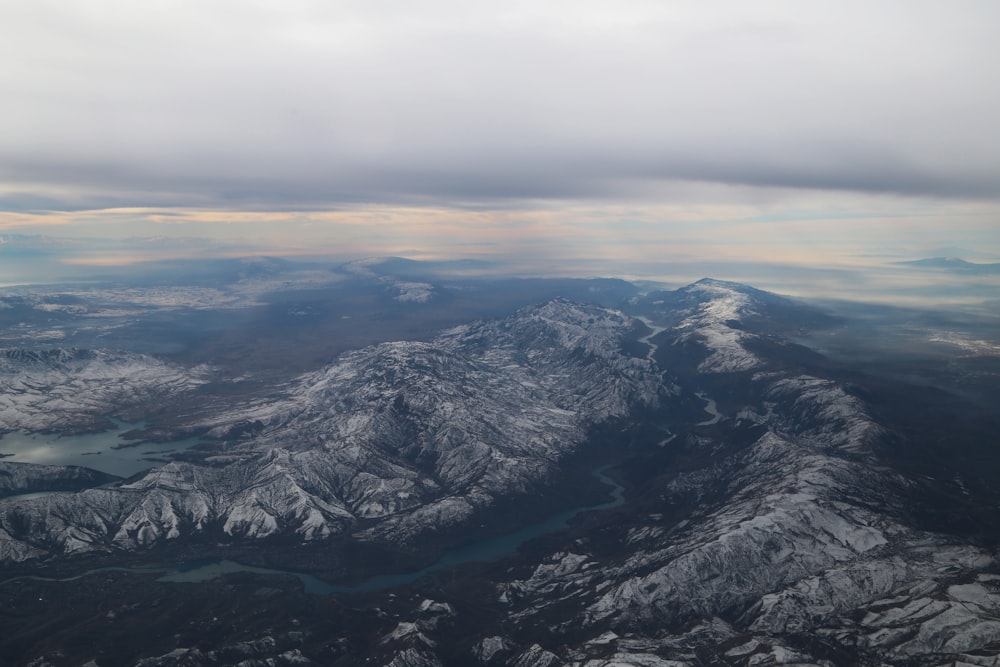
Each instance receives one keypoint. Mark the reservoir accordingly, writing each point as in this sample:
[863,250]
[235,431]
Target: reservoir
[106,451]
[486,550]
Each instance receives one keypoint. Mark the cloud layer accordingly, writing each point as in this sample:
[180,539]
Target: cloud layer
[319,105]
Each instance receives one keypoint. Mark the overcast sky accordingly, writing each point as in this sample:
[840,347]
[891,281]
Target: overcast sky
[601,129]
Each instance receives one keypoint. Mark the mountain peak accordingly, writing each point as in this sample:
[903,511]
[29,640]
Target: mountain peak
[715,282]
[716,287]
[956,264]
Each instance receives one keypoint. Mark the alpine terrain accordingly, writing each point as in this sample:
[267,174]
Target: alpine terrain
[727,493]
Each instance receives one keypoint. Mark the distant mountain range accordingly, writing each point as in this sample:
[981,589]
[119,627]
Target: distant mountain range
[953,264]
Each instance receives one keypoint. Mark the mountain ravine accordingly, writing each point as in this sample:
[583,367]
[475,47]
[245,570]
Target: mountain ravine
[767,518]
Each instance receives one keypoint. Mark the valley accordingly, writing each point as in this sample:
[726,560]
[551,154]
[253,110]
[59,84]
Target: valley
[444,499]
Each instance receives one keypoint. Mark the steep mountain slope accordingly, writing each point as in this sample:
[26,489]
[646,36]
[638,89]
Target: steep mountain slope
[773,533]
[779,538]
[409,437]
[69,390]
[763,522]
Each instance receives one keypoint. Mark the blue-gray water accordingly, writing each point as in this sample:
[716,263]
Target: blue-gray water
[480,551]
[100,451]
[483,551]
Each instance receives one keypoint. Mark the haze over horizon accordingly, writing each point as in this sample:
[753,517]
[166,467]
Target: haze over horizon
[618,138]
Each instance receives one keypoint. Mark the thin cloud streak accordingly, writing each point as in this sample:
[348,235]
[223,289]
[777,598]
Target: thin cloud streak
[711,223]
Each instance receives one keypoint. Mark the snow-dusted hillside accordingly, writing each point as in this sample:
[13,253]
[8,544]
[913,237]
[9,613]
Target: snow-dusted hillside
[418,436]
[797,547]
[799,539]
[403,291]
[75,390]
[773,532]
[710,323]
[714,323]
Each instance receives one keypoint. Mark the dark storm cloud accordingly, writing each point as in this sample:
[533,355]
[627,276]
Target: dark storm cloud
[298,104]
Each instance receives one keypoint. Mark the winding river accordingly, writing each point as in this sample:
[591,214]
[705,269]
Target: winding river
[480,551]
[648,338]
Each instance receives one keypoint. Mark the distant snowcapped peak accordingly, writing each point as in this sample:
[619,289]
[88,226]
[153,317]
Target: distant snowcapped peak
[721,301]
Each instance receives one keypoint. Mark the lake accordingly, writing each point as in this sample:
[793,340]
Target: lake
[485,550]
[105,451]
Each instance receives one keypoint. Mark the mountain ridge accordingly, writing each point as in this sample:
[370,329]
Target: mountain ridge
[954,264]
[346,434]
[761,523]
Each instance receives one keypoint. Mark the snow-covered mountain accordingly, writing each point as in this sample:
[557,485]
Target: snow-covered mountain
[783,539]
[769,528]
[73,390]
[715,325]
[401,289]
[411,436]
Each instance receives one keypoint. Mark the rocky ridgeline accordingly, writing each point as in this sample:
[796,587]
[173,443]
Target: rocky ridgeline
[784,539]
[413,437]
[73,390]
[797,549]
